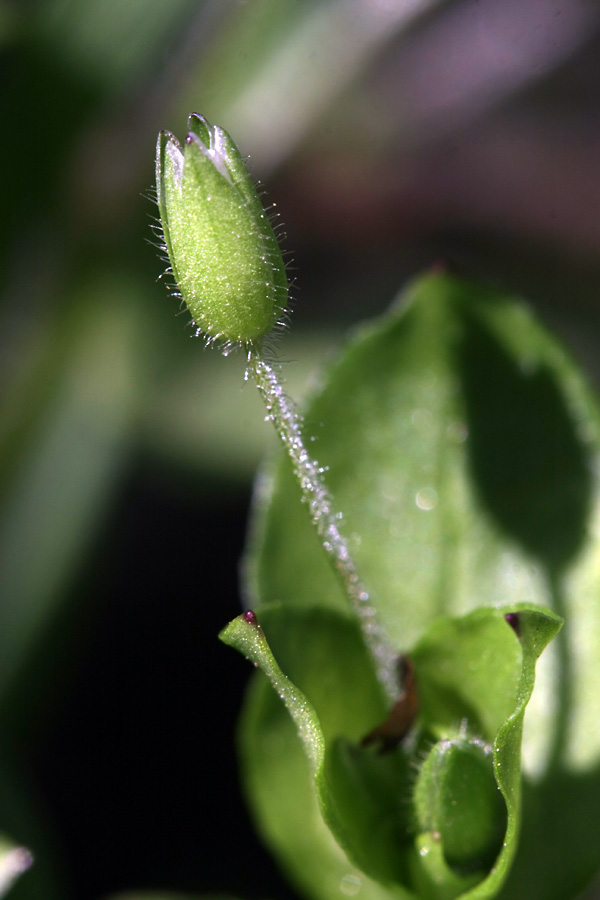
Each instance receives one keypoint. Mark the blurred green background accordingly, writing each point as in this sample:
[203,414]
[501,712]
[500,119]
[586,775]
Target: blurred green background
[391,134]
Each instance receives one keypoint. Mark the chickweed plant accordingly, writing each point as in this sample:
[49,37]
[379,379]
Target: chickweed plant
[403,586]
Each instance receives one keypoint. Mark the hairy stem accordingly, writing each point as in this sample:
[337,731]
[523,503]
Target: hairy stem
[309,474]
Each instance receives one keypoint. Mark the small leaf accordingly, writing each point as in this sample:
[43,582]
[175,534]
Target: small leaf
[458,805]
[246,635]
[348,701]
[483,670]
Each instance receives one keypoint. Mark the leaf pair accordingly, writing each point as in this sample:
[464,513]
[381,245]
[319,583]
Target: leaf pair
[475,677]
[461,445]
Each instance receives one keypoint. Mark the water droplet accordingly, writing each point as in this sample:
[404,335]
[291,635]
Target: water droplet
[426,498]
[350,885]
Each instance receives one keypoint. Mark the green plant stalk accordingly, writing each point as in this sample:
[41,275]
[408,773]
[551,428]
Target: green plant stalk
[309,474]
[229,271]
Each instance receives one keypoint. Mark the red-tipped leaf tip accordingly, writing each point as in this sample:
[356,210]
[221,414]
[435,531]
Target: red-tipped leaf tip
[513,620]
[250,617]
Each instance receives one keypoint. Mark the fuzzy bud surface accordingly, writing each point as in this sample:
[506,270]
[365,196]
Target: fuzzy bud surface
[221,245]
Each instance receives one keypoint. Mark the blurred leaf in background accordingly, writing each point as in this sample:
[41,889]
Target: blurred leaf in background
[389,134]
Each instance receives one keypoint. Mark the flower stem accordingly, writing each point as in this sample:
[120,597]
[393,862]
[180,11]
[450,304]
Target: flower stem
[309,474]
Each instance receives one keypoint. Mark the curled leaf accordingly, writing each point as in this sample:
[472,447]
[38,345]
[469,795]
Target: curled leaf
[452,828]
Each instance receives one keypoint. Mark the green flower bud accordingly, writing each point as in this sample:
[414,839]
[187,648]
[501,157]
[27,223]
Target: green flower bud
[223,252]
[458,805]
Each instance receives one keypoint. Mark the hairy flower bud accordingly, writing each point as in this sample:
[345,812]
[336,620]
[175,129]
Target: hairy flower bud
[223,251]
[460,817]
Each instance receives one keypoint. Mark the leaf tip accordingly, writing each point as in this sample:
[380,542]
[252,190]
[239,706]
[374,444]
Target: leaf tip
[250,617]
[514,620]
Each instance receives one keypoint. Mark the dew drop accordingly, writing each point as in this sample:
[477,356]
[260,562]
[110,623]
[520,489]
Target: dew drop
[426,498]
[350,885]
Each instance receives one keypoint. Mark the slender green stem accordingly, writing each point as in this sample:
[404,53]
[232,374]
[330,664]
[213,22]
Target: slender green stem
[309,474]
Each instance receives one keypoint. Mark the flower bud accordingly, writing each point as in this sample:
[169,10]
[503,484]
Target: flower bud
[459,806]
[223,251]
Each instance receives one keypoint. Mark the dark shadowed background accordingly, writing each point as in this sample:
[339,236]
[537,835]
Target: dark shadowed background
[391,134]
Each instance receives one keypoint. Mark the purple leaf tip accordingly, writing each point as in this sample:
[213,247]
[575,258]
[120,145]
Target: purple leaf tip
[513,620]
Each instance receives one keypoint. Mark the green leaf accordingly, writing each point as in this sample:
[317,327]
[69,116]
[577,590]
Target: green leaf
[278,774]
[246,635]
[461,444]
[478,671]
[364,798]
